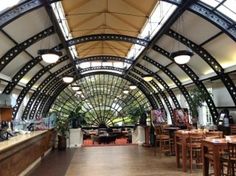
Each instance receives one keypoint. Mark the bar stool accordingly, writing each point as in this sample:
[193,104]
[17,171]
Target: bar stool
[194,148]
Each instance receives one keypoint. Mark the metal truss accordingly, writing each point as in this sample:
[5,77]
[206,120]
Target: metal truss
[101,37]
[104,59]
[132,80]
[209,59]
[12,53]
[221,21]
[158,89]
[47,93]
[188,71]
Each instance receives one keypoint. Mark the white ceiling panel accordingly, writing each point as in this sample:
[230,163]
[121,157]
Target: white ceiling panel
[166,78]
[28,25]
[5,44]
[158,58]
[46,43]
[16,64]
[159,84]
[190,24]
[63,64]
[30,74]
[199,66]
[179,73]
[148,65]
[223,49]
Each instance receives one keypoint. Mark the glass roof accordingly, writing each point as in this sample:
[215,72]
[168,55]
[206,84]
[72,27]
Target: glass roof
[226,7]
[103,100]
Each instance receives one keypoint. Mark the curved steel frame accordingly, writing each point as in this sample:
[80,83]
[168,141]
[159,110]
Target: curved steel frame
[210,60]
[104,59]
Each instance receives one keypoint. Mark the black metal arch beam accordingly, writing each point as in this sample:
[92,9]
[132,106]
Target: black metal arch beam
[162,94]
[48,90]
[104,58]
[210,60]
[40,89]
[102,37]
[162,82]
[39,100]
[31,83]
[188,71]
[47,104]
[101,68]
[227,25]
[13,52]
[172,77]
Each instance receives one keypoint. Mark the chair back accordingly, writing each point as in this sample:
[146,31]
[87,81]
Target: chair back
[196,138]
[232,150]
[233,129]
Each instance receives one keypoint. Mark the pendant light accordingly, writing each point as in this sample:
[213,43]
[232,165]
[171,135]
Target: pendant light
[147,77]
[49,55]
[132,87]
[68,79]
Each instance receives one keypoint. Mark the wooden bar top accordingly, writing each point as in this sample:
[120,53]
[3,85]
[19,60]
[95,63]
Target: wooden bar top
[20,138]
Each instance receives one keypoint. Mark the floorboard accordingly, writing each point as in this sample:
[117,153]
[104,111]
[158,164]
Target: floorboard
[129,160]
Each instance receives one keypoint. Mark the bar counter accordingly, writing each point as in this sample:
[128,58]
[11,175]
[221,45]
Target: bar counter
[19,152]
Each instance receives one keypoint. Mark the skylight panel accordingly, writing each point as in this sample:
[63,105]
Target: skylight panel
[212,3]
[7,4]
[160,14]
[96,64]
[84,65]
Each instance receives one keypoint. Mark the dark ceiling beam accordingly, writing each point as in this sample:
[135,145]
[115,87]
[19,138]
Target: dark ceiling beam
[41,89]
[60,34]
[209,59]
[30,84]
[228,26]
[193,76]
[130,79]
[47,92]
[104,58]
[13,52]
[106,37]
[160,92]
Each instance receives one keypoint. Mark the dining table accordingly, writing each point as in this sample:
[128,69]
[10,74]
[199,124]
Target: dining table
[171,131]
[216,146]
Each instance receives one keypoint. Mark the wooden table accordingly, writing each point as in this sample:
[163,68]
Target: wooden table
[171,131]
[216,145]
[183,136]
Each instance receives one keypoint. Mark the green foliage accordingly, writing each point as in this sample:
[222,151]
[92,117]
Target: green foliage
[62,125]
[78,115]
[135,113]
[198,98]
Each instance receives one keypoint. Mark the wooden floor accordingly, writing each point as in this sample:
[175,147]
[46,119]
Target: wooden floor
[109,161]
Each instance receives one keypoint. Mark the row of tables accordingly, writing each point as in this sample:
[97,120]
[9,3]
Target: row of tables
[213,145]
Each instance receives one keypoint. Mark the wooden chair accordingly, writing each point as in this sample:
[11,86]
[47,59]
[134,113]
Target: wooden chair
[214,134]
[228,160]
[233,129]
[163,139]
[194,148]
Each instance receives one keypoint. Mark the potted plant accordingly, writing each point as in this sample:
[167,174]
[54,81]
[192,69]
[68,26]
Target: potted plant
[137,114]
[198,98]
[77,118]
[62,127]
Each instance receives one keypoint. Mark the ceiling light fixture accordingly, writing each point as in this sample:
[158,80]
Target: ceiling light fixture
[125,91]
[50,55]
[147,77]
[182,56]
[75,88]
[68,79]
[132,87]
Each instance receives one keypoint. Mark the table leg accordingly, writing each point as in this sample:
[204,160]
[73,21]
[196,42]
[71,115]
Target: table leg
[216,160]
[205,161]
[184,156]
[177,153]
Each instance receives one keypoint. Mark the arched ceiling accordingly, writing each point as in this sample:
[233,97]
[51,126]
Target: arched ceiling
[102,100]
[124,37]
